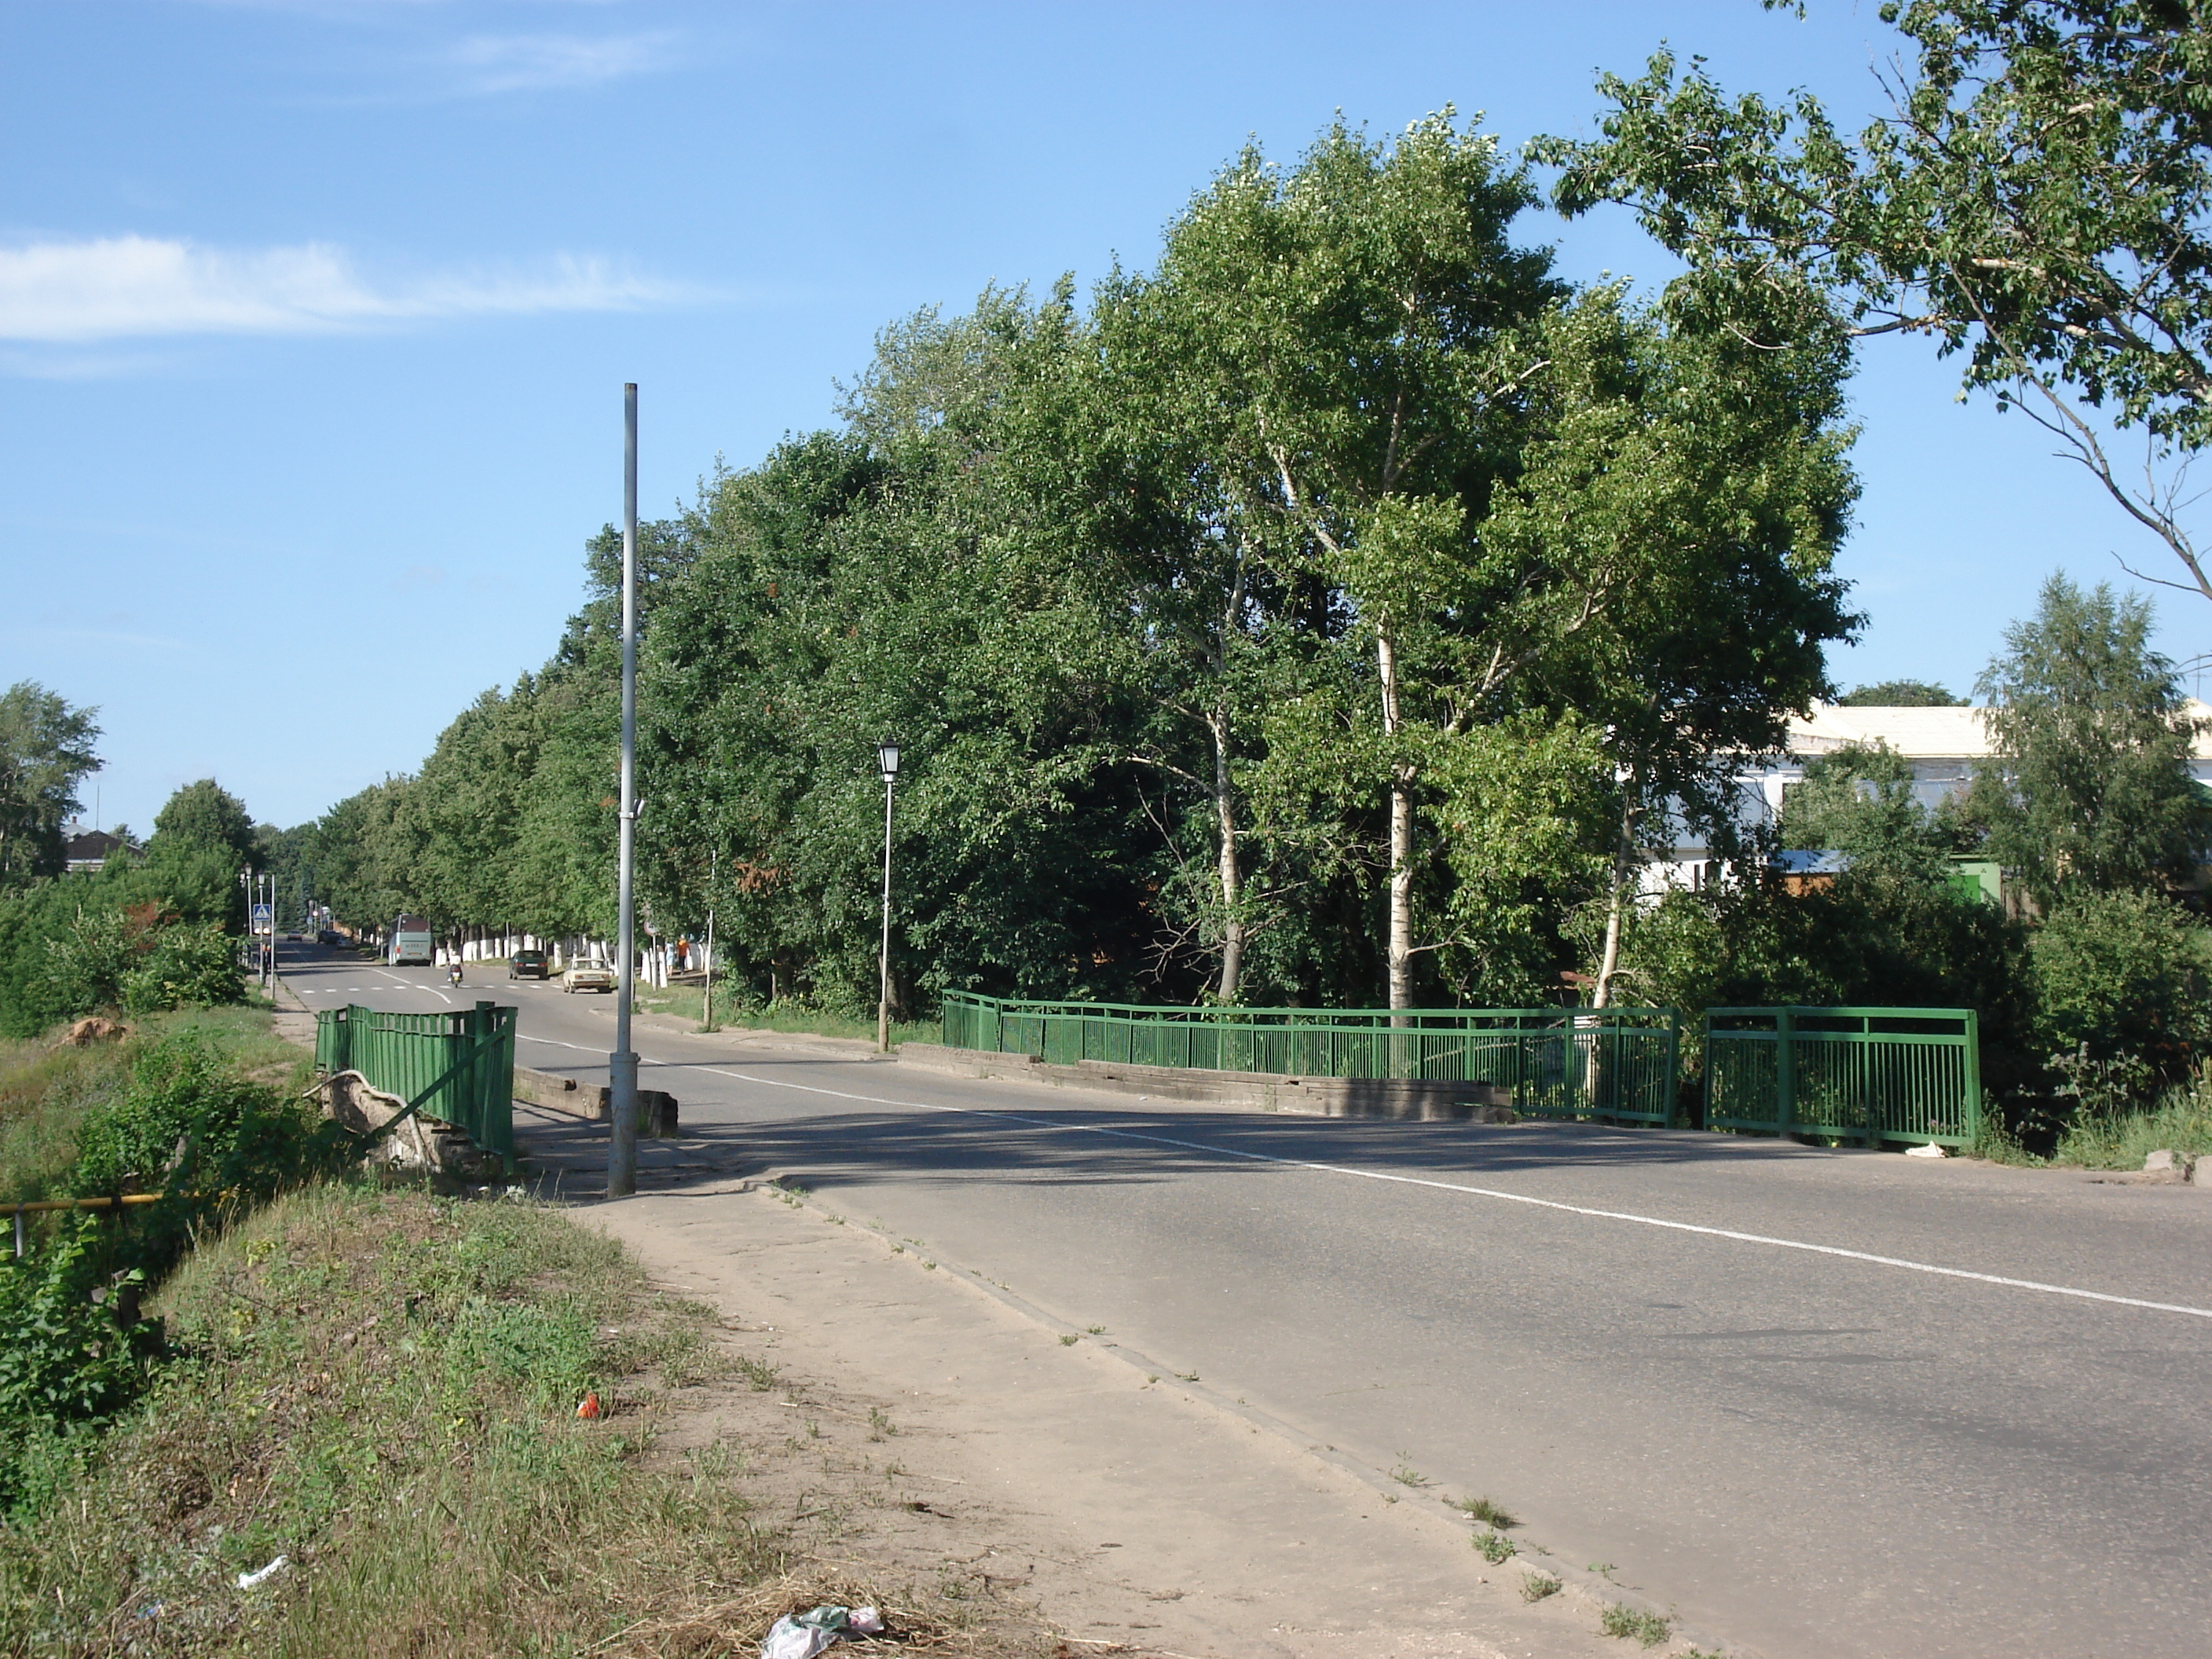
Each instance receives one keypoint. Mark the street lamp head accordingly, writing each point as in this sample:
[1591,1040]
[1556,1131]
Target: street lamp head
[887,756]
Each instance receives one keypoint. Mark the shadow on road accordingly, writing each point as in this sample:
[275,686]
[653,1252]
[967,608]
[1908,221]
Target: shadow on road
[1074,1142]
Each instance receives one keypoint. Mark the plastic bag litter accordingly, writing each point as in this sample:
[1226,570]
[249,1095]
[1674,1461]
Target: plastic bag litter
[253,1580]
[787,1638]
[803,1635]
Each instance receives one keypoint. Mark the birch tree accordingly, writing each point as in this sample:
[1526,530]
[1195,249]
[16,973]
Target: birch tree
[2037,201]
[1342,344]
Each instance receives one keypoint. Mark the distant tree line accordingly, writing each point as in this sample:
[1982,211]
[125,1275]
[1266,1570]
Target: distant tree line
[1339,614]
[1333,614]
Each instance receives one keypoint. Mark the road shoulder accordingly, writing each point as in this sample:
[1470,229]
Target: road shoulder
[1137,1516]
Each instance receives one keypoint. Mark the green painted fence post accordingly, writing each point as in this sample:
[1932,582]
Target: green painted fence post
[1973,1063]
[1671,1088]
[480,1084]
[1785,1069]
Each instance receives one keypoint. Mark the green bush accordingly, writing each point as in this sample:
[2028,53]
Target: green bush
[2123,977]
[70,1359]
[186,966]
[1876,938]
[72,1349]
[139,937]
[64,1356]
[139,960]
[87,960]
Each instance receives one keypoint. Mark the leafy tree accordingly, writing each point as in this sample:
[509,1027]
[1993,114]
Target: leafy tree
[1859,800]
[1900,694]
[1223,606]
[2037,200]
[2124,976]
[289,856]
[1342,353]
[898,585]
[1320,583]
[2088,788]
[205,815]
[358,852]
[1702,488]
[1397,436]
[45,751]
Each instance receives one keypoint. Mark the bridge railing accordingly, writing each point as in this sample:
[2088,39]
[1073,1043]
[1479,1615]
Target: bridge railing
[1866,1074]
[405,1054]
[1617,1063]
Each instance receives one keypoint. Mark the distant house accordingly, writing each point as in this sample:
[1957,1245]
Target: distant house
[1942,746]
[87,849]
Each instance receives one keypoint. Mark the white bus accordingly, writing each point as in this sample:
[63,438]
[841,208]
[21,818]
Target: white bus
[411,942]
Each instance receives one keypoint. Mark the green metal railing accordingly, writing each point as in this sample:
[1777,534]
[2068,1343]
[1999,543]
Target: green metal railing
[458,1067]
[1617,1063]
[1866,1074]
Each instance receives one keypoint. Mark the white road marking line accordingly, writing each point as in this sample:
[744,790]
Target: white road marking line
[411,985]
[555,1042]
[1491,1192]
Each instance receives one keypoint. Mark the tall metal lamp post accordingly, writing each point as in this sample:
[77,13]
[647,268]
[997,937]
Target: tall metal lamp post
[621,1064]
[887,757]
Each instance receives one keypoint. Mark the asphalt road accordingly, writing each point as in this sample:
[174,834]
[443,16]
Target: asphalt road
[1786,1391]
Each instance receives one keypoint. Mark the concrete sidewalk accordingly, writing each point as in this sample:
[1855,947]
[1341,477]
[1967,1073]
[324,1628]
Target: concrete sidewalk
[1147,1518]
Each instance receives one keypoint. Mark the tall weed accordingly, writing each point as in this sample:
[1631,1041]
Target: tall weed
[2118,1138]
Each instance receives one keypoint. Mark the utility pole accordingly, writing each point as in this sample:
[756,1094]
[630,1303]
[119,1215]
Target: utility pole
[621,1064]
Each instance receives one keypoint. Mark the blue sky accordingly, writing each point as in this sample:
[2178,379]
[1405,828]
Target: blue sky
[314,314]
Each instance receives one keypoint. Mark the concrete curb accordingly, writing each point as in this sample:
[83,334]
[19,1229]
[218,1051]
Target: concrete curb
[551,1092]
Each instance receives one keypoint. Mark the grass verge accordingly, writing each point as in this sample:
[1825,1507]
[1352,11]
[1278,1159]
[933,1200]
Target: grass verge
[346,1420]
[689,1002]
[2180,1122]
[380,1389]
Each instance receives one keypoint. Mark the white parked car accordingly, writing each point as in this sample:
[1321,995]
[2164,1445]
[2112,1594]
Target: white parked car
[588,974]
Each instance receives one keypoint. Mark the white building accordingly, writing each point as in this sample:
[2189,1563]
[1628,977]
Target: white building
[1942,745]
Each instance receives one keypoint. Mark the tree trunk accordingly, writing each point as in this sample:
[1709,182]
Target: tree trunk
[1224,812]
[1623,853]
[1399,958]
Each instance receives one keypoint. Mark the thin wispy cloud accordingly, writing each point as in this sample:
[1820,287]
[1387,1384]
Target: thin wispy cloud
[488,64]
[408,49]
[141,286]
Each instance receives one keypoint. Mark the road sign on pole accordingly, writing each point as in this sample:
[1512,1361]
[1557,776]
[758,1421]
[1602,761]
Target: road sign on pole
[264,919]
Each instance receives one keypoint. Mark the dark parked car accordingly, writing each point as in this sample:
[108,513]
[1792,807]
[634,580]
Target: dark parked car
[529,964]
